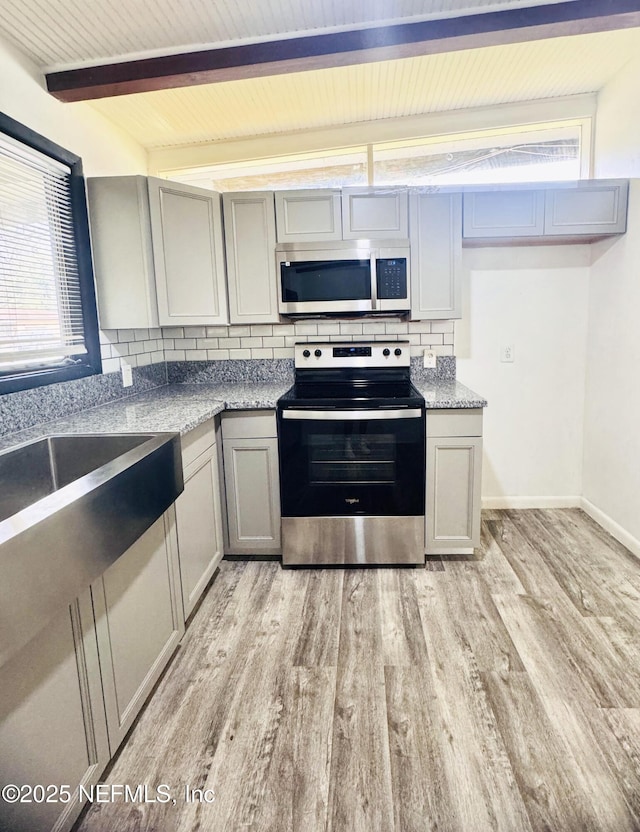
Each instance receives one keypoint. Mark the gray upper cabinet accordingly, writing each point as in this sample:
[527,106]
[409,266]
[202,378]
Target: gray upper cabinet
[508,213]
[375,213]
[122,252]
[186,233]
[436,250]
[308,216]
[250,239]
[592,208]
[550,213]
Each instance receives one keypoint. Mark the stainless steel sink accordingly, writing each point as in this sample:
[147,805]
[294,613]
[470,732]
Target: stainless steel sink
[69,507]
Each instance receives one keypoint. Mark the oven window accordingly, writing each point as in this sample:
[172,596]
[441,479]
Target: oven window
[355,457]
[319,281]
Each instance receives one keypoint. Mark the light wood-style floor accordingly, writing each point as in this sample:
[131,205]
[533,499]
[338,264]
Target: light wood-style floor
[500,692]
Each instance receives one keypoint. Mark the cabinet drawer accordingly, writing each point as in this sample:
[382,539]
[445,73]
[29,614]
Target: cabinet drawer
[249,424]
[452,422]
[197,441]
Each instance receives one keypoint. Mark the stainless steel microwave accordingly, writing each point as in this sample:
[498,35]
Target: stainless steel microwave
[357,276]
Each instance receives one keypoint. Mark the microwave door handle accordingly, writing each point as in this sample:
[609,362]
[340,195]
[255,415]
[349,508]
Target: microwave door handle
[374,282]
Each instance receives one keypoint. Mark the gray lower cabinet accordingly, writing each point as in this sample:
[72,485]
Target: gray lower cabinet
[252,483]
[454,478]
[139,622]
[198,514]
[250,239]
[52,721]
[436,254]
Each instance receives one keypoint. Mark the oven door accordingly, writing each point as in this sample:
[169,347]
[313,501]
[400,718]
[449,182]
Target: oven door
[352,462]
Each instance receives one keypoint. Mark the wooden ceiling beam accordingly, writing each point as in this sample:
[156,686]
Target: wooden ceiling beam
[404,40]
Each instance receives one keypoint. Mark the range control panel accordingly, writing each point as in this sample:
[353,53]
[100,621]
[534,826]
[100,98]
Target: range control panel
[391,275]
[326,354]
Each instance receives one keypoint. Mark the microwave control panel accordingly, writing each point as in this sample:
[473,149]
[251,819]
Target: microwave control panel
[391,275]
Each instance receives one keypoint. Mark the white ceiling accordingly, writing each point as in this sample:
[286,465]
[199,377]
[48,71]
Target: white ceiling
[61,34]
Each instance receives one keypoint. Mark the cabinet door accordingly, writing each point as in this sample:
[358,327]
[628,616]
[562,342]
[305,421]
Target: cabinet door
[454,469]
[252,487]
[186,229]
[589,209]
[375,213]
[436,254]
[308,216]
[139,623]
[122,252]
[199,527]
[52,724]
[250,240]
[503,214]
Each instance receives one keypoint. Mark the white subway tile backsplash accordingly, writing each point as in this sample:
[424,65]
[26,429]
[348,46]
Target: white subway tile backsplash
[306,329]
[173,332]
[442,326]
[141,347]
[110,365]
[251,343]
[350,329]
[261,329]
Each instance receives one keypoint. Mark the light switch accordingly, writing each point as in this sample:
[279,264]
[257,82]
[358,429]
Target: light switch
[127,374]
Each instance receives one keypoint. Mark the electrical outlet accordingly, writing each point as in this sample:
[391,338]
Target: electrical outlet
[127,374]
[429,359]
[507,353]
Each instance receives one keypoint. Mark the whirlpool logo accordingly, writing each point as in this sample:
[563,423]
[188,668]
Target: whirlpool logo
[351,500]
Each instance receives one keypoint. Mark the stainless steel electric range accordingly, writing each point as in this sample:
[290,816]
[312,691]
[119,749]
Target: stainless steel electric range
[351,434]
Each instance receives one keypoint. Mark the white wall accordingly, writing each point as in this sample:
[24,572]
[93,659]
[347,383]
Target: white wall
[105,150]
[612,410]
[535,299]
[617,133]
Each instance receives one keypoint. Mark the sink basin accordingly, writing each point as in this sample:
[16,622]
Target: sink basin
[70,505]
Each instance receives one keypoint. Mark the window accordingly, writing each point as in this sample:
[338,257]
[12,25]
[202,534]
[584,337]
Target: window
[48,319]
[548,152]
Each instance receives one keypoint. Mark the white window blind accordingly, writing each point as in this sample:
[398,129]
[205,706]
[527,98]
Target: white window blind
[41,321]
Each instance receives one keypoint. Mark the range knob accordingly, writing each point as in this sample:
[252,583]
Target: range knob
[386,351]
[306,353]
[318,353]
[397,351]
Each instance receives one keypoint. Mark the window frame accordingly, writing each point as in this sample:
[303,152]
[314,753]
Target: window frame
[91,362]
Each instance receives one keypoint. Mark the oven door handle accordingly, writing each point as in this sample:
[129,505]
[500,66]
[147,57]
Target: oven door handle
[350,415]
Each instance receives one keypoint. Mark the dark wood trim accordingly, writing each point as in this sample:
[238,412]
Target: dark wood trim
[344,48]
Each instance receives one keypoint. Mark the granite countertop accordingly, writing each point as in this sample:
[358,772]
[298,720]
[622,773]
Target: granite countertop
[448,393]
[176,408]
[181,407]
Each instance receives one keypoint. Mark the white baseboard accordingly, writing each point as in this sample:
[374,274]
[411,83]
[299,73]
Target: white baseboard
[632,543]
[532,502]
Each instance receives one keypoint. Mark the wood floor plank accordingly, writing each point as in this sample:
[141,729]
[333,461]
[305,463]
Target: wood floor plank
[360,796]
[320,624]
[495,568]
[473,751]
[545,771]
[401,632]
[469,599]
[422,800]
